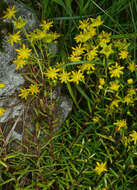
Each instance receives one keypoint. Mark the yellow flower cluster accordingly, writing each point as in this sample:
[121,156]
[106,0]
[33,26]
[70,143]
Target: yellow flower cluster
[32,90]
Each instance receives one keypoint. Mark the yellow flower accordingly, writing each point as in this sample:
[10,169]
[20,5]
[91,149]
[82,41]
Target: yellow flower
[121,44]
[114,103]
[74,58]
[92,31]
[59,65]
[33,89]
[2,110]
[130,81]
[134,136]
[20,63]
[64,76]
[84,24]
[92,54]
[131,92]
[46,26]
[87,67]
[40,34]
[104,38]
[77,76]
[100,168]
[121,124]
[101,81]
[19,23]
[24,93]
[77,51]
[55,35]
[2,85]
[131,66]
[10,12]
[24,52]
[95,119]
[48,38]
[82,37]
[128,99]
[107,50]
[116,70]
[114,86]
[123,54]
[14,38]
[52,73]
[96,22]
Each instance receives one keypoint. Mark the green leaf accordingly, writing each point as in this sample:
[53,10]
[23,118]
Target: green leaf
[60,2]
[83,94]
[72,94]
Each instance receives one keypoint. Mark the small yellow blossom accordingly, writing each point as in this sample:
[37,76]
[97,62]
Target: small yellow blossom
[101,81]
[52,73]
[87,67]
[10,12]
[64,76]
[40,34]
[19,23]
[20,63]
[107,50]
[24,93]
[121,124]
[123,54]
[2,110]
[100,168]
[77,76]
[96,22]
[74,58]
[114,85]
[2,85]
[59,65]
[46,25]
[95,119]
[84,24]
[131,66]
[121,44]
[91,54]
[104,38]
[116,70]
[14,38]
[32,37]
[134,136]
[131,92]
[24,52]
[33,89]
[82,37]
[130,81]
[128,99]
[115,103]
[91,31]
[77,51]
[48,38]
[55,35]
